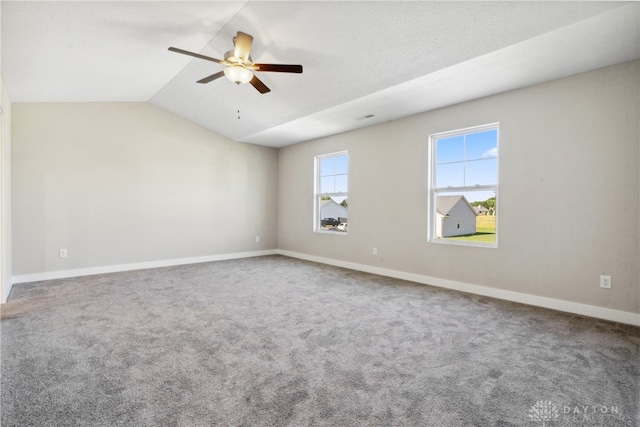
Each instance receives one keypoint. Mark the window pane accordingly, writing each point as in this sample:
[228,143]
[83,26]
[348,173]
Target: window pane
[327,184]
[341,164]
[341,184]
[482,172]
[482,145]
[450,149]
[449,175]
[333,213]
[466,216]
[327,166]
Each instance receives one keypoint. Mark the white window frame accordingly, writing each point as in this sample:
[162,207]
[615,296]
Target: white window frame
[317,194]
[433,191]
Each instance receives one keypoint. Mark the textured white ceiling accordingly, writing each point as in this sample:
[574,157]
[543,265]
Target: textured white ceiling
[390,59]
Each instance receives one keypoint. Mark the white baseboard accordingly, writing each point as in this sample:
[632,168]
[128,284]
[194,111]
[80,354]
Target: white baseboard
[555,304]
[63,274]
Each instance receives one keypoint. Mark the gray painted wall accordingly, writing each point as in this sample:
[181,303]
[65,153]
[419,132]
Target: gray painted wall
[128,182]
[569,192]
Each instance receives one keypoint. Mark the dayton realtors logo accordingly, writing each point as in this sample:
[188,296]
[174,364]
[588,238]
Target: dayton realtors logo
[545,412]
[594,414]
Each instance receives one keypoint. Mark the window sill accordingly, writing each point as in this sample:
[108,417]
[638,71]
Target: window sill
[463,243]
[331,232]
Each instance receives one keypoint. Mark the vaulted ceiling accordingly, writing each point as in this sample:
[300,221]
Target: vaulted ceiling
[383,59]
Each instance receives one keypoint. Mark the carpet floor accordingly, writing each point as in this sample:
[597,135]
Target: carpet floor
[276,341]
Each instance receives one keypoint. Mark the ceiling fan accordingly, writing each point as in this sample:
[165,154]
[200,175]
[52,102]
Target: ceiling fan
[239,67]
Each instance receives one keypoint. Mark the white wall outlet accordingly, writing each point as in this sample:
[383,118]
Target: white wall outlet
[375,251]
[63,253]
[257,239]
[605,282]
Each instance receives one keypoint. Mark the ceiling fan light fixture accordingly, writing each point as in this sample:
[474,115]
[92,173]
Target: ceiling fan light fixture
[238,74]
[239,67]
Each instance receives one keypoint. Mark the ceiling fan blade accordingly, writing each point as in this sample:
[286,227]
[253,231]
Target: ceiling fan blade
[195,55]
[212,77]
[257,83]
[243,44]
[279,68]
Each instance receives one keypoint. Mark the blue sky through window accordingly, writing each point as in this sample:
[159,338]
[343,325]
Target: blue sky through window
[333,174]
[468,160]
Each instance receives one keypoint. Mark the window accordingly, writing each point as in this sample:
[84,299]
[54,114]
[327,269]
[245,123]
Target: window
[331,202]
[463,186]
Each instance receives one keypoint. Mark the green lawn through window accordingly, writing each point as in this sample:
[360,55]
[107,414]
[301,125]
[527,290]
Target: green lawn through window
[485,230]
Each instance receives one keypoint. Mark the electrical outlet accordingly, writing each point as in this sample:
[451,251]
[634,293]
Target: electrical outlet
[605,282]
[63,253]
[375,251]
[257,239]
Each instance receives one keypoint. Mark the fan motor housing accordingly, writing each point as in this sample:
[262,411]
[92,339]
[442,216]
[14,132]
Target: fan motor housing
[231,59]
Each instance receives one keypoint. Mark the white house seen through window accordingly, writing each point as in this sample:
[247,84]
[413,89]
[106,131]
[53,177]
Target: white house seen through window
[463,188]
[331,201]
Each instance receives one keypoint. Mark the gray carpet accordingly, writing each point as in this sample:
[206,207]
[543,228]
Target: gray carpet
[275,341]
